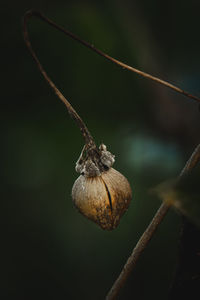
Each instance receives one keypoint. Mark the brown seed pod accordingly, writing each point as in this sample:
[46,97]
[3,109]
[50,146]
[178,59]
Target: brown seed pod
[105,196]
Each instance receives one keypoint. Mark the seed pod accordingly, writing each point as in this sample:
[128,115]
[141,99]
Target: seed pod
[105,196]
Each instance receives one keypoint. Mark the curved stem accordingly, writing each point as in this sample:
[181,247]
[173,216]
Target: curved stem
[148,234]
[84,130]
[115,61]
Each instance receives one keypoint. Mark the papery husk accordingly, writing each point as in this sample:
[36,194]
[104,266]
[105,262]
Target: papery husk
[102,199]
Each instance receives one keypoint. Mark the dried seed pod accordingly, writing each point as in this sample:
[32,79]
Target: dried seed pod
[101,193]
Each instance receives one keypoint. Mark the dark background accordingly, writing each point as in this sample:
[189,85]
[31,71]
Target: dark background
[50,251]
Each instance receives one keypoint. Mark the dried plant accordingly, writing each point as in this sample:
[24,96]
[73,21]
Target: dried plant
[101,193]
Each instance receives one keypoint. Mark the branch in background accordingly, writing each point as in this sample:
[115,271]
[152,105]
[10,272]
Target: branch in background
[37,14]
[147,235]
[192,161]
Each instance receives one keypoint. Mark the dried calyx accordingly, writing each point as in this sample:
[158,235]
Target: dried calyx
[100,193]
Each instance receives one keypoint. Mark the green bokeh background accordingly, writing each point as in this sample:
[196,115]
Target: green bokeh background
[50,251]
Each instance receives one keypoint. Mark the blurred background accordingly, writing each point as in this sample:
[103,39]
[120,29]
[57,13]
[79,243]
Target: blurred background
[50,251]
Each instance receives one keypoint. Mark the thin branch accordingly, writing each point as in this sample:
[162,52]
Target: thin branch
[192,161]
[137,251]
[84,130]
[147,235]
[115,61]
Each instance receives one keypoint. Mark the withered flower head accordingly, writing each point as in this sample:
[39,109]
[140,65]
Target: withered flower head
[100,193]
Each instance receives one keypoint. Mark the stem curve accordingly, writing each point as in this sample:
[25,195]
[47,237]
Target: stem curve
[89,141]
[108,57]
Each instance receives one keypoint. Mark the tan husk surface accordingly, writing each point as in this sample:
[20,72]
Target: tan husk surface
[91,197]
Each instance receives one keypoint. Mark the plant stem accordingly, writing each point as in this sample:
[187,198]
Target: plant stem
[115,61]
[149,232]
[192,161]
[137,251]
[84,130]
